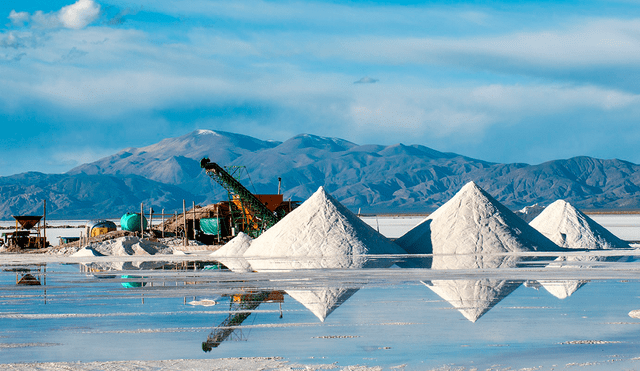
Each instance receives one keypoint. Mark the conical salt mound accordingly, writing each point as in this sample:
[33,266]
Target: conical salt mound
[86,251]
[570,228]
[322,302]
[231,254]
[320,233]
[473,222]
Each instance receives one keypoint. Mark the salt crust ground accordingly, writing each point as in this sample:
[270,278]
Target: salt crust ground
[226,364]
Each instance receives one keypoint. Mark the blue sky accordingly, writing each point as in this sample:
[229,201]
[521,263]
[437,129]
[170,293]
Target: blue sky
[500,81]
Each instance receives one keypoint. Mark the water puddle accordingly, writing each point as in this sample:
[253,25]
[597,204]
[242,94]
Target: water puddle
[469,312]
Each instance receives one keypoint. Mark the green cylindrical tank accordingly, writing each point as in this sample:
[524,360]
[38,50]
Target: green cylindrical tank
[131,222]
[210,226]
[130,285]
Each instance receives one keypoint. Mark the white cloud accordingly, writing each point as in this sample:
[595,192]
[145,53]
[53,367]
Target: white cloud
[75,16]
[11,41]
[65,157]
[80,14]
[403,111]
[105,72]
[588,43]
[18,18]
[108,81]
[42,20]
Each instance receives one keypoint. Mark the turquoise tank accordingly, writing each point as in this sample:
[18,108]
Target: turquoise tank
[130,285]
[210,226]
[131,222]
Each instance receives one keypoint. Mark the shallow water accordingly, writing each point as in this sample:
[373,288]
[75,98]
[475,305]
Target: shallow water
[490,312]
[387,317]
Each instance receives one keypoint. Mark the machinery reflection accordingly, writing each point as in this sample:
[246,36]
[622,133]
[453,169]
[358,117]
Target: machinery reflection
[33,276]
[241,306]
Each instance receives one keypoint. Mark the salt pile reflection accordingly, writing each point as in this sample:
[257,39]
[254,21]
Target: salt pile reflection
[340,313]
[473,298]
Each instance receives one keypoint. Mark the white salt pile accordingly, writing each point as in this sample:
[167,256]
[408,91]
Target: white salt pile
[122,246]
[86,251]
[528,213]
[322,302]
[470,231]
[178,241]
[473,222]
[231,254]
[320,233]
[570,228]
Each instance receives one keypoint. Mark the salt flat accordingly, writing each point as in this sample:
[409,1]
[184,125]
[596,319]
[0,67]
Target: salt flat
[390,319]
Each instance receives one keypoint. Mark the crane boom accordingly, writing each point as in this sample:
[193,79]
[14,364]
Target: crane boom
[233,186]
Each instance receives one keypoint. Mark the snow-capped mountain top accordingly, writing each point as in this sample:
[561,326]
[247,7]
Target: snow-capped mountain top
[206,132]
[156,160]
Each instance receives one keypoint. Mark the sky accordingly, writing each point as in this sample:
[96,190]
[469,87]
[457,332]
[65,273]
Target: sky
[500,81]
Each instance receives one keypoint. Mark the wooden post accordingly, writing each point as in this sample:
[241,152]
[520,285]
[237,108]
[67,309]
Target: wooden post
[162,223]
[45,223]
[141,220]
[151,222]
[194,220]
[218,220]
[184,222]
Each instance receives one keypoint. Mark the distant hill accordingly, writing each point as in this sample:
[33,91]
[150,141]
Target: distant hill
[374,178]
[85,196]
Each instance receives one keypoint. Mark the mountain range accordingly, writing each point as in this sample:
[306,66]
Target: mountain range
[371,178]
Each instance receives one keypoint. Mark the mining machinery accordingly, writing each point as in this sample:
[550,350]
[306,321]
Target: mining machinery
[26,235]
[244,212]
